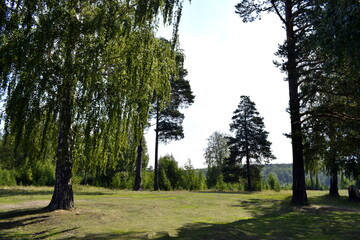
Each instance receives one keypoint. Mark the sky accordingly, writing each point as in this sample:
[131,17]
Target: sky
[225,59]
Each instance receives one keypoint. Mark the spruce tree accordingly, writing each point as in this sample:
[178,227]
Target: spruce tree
[250,138]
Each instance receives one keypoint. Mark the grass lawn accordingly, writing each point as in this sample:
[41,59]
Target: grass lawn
[111,214]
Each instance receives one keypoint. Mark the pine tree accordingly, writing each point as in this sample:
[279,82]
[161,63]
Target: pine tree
[250,138]
[168,117]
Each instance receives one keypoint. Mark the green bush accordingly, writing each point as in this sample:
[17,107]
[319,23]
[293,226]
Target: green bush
[122,180]
[214,178]
[164,182]
[147,180]
[7,178]
[43,174]
[273,182]
[24,176]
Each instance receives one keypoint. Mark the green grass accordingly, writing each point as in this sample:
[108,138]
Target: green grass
[110,214]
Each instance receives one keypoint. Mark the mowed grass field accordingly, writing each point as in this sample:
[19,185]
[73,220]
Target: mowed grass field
[112,214]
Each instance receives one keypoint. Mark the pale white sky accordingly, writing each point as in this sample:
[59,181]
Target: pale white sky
[225,59]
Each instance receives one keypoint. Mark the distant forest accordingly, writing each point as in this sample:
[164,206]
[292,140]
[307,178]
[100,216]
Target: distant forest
[283,172]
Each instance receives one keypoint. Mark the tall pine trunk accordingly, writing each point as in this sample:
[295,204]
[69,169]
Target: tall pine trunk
[299,190]
[63,197]
[156,168]
[138,177]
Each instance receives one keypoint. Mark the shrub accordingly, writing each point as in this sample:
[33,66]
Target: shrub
[214,178]
[122,180]
[43,174]
[273,182]
[148,180]
[7,178]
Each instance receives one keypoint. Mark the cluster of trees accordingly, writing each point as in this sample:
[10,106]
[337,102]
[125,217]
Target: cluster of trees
[172,177]
[321,57]
[225,154]
[79,79]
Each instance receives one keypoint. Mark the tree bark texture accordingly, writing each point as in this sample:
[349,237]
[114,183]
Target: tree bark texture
[138,177]
[63,197]
[299,190]
[334,190]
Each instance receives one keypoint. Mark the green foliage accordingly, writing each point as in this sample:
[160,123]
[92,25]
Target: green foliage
[214,177]
[43,174]
[217,150]
[191,179]
[273,182]
[164,181]
[147,180]
[249,142]
[169,117]
[7,178]
[122,180]
[170,175]
[78,79]
[345,183]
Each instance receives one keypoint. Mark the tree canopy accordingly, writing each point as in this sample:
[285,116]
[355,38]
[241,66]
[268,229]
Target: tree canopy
[84,73]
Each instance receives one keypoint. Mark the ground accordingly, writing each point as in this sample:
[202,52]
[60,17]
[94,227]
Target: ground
[112,214]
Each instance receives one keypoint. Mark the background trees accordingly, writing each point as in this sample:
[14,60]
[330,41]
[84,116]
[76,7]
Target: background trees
[250,138]
[216,153]
[319,66]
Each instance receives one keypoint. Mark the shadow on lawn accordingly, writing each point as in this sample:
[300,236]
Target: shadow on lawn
[16,192]
[23,218]
[273,219]
[279,220]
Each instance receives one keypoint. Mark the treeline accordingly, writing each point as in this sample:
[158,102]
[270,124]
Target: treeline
[321,181]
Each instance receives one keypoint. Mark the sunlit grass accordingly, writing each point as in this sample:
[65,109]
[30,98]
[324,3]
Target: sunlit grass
[112,214]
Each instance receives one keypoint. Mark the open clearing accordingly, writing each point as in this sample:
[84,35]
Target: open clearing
[112,214]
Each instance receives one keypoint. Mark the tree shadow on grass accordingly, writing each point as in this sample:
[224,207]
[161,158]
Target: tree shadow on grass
[128,235]
[17,192]
[342,202]
[278,220]
[21,213]
[9,221]
[38,235]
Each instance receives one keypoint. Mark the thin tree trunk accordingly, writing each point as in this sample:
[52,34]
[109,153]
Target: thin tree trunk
[63,197]
[138,177]
[312,180]
[317,187]
[250,188]
[299,190]
[156,168]
[334,190]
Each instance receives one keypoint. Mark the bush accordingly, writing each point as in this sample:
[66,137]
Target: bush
[148,180]
[164,182]
[122,180]
[170,174]
[214,178]
[43,174]
[7,178]
[273,182]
